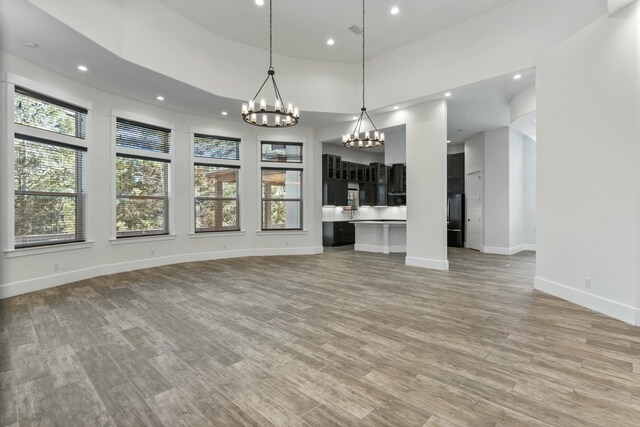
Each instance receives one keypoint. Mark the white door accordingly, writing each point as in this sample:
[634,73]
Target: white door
[474,210]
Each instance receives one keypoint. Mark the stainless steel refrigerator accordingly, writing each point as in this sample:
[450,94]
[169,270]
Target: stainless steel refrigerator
[455,220]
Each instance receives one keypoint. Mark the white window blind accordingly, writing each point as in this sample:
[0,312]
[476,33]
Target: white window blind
[140,136]
[216,147]
[50,192]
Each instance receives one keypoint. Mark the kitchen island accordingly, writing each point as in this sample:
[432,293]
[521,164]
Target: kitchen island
[382,236]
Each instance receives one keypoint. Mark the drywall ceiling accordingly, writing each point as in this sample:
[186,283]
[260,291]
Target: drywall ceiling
[301,28]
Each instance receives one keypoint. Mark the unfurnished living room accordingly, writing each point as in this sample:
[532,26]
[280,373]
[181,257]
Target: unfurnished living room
[320,213]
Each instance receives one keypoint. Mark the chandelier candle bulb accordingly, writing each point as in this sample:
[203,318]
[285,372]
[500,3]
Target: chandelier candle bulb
[296,112]
[254,117]
[265,120]
[288,120]
[252,106]
[245,108]
[289,108]
[278,120]
[376,135]
[367,135]
[263,104]
[278,105]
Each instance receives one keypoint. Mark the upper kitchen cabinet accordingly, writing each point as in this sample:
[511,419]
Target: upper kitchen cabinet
[331,166]
[455,166]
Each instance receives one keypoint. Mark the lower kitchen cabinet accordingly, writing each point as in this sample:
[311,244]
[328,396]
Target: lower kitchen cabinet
[338,233]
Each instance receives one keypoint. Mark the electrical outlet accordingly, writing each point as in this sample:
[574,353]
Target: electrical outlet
[56,266]
[587,282]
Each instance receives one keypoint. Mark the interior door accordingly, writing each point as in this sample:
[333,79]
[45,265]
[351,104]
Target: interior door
[474,210]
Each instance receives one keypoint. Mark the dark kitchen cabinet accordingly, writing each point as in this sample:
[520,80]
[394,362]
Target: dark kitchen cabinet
[368,194]
[455,166]
[335,192]
[338,233]
[455,186]
[381,195]
[330,166]
[344,170]
[360,173]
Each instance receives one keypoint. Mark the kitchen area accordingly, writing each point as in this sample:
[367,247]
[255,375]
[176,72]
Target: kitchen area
[364,196]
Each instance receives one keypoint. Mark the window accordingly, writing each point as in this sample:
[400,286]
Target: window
[217,198]
[49,170]
[42,112]
[281,152]
[142,179]
[215,147]
[49,201]
[281,199]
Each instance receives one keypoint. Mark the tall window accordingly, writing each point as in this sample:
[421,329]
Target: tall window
[281,199]
[142,179]
[49,171]
[216,183]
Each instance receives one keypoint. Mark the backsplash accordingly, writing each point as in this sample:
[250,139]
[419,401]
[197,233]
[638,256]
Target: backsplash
[333,214]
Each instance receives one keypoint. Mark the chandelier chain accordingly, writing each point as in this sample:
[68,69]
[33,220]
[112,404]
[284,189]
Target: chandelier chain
[363,41]
[270,34]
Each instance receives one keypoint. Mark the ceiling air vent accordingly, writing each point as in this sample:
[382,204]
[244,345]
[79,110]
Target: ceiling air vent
[355,29]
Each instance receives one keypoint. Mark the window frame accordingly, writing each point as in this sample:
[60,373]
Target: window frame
[169,158]
[194,160]
[236,199]
[304,187]
[12,129]
[271,199]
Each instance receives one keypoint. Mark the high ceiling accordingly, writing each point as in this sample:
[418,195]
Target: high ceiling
[302,27]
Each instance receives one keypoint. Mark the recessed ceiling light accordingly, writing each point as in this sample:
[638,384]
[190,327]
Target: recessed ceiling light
[448,94]
[448,141]
[160,98]
[517,77]
[331,42]
[354,118]
[260,2]
[395,10]
[224,113]
[82,68]
[395,107]
[31,44]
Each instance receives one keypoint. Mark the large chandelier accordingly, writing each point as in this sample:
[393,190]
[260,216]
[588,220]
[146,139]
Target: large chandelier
[357,139]
[266,115]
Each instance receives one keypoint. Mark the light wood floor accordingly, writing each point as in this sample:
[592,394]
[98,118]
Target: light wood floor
[341,338]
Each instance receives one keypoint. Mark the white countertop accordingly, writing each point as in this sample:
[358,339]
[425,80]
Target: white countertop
[379,222]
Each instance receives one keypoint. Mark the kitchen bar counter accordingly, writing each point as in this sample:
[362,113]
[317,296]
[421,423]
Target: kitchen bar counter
[382,236]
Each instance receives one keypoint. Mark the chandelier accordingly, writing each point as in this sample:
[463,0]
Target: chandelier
[266,115]
[357,139]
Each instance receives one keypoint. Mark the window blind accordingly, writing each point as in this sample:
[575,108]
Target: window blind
[141,136]
[50,114]
[142,196]
[281,152]
[216,147]
[50,192]
[217,198]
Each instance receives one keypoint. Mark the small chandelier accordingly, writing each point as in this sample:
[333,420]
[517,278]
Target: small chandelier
[265,115]
[356,139]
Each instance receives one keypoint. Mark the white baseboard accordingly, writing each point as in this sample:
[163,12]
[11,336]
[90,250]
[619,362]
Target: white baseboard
[22,287]
[378,249]
[497,250]
[433,264]
[593,302]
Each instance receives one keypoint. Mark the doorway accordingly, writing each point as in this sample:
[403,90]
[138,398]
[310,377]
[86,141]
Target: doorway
[474,210]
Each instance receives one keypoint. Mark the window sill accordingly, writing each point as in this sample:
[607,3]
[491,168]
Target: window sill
[281,232]
[142,239]
[208,234]
[15,253]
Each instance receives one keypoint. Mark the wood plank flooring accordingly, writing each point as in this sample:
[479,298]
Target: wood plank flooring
[341,338]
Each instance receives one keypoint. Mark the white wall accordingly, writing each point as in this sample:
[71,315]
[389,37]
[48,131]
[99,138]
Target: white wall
[506,39]
[23,273]
[455,148]
[529,171]
[395,147]
[516,189]
[496,190]
[588,175]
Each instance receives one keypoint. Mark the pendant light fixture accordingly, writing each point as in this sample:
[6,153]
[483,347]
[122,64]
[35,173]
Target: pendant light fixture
[357,139]
[266,115]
